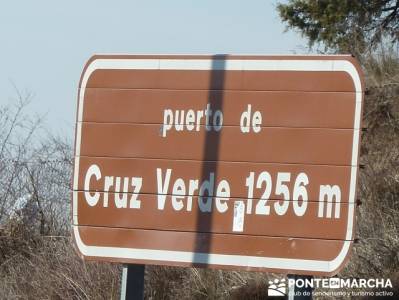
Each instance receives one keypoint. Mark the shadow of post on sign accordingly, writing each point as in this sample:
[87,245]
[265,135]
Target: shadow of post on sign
[209,170]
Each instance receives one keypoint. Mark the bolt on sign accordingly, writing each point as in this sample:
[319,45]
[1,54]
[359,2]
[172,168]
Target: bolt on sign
[241,162]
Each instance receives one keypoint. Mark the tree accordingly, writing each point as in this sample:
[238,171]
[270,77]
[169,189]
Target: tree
[343,25]
[35,171]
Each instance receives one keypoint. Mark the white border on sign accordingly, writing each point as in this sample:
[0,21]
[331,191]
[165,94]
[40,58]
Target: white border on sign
[233,64]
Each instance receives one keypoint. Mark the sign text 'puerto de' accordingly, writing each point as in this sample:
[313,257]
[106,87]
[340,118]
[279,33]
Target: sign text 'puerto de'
[237,162]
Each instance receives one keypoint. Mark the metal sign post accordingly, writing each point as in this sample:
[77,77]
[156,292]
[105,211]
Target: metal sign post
[132,286]
[302,293]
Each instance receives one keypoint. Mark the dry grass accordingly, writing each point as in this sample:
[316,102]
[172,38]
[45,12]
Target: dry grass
[377,253]
[45,267]
[190,283]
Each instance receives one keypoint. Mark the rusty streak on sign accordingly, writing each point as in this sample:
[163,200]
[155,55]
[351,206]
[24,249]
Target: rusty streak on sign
[244,162]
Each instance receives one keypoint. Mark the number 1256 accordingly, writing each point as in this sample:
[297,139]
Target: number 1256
[264,181]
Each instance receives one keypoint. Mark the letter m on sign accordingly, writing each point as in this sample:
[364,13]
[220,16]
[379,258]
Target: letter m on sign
[329,193]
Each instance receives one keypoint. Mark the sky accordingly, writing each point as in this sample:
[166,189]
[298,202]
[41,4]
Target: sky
[44,44]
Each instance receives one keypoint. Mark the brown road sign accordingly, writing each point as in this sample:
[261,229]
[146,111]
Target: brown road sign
[240,162]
